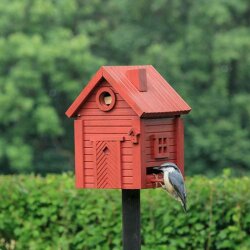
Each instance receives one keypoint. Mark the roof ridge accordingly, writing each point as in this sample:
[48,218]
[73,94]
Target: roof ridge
[160,97]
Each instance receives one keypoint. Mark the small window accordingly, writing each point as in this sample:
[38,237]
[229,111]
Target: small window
[105,99]
[160,142]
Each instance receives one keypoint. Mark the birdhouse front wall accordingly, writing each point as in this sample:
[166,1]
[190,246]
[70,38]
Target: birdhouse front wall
[106,142]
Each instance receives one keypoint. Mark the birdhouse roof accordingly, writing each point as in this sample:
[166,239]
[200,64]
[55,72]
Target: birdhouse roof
[142,87]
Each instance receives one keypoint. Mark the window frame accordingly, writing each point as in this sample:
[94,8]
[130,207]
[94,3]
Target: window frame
[161,146]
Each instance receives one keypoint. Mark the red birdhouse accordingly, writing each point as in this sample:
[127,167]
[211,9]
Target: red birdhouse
[127,119]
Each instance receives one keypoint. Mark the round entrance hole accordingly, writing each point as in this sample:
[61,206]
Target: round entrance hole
[105,99]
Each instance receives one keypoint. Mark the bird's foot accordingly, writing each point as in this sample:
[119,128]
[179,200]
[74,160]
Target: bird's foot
[158,181]
[163,186]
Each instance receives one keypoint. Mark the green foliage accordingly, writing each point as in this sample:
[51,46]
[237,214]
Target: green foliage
[49,50]
[49,213]
[42,65]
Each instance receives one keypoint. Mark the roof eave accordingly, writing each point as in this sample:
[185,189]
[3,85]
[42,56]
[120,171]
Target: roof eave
[163,114]
[84,93]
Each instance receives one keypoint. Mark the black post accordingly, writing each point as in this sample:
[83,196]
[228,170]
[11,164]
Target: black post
[131,219]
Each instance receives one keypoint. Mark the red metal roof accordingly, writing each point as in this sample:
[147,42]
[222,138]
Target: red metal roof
[159,100]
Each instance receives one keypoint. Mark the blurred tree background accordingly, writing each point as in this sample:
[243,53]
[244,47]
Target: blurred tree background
[50,48]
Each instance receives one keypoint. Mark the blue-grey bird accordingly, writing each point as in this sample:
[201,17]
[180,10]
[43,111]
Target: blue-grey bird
[173,182]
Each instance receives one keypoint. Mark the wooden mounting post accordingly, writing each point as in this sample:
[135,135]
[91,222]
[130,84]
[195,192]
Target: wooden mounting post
[131,219]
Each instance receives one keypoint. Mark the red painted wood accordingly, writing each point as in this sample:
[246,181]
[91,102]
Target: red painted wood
[143,150]
[125,151]
[83,95]
[114,77]
[117,166]
[160,99]
[160,145]
[106,130]
[157,122]
[79,159]
[96,112]
[101,104]
[115,147]
[107,164]
[90,109]
[89,185]
[89,172]
[127,158]
[139,78]
[151,160]
[103,123]
[128,180]
[160,128]
[180,144]
[136,157]
[149,150]
[120,104]
[127,166]
[89,180]
[154,128]
[127,173]
[108,118]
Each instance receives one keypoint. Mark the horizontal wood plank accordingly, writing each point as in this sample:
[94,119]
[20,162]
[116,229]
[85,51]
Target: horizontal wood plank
[171,149]
[128,186]
[161,129]
[127,158]
[113,112]
[124,144]
[153,162]
[127,173]
[125,151]
[119,104]
[126,180]
[171,142]
[157,122]
[93,137]
[109,117]
[89,185]
[106,130]
[93,96]
[89,179]
[107,123]
[89,172]
[89,164]
[170,135]
[127,166]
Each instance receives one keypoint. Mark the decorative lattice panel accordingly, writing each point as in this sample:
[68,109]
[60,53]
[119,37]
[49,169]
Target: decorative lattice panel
[108,164]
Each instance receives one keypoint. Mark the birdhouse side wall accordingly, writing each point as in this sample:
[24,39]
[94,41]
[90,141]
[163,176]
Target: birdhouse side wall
[107,132]
[163,142]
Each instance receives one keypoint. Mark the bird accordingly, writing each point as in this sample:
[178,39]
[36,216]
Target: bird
[173,182]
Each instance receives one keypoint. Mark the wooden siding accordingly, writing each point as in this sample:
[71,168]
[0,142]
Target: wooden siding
[116,122]
[153,127]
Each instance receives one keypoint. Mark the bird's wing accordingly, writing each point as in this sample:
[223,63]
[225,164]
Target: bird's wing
[177,181]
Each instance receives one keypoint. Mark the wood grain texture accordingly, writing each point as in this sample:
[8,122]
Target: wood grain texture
[155,127]
[79,159]
[179,125]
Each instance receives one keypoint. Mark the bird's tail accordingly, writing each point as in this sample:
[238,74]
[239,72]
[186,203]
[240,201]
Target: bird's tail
[184,205]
